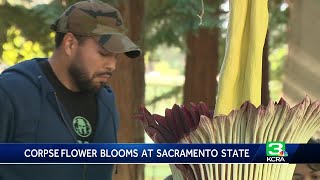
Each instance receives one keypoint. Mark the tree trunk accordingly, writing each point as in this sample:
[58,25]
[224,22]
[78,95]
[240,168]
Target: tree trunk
[265,93]
[129,86]
[202,67]
[301,70]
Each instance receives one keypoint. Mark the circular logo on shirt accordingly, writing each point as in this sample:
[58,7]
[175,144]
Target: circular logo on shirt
[82,126]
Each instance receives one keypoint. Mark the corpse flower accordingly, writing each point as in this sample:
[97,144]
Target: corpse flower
[274,122]
[238,116]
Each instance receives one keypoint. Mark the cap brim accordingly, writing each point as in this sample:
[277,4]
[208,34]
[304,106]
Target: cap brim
[119,43]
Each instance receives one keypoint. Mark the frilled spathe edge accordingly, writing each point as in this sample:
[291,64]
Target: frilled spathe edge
[249,124]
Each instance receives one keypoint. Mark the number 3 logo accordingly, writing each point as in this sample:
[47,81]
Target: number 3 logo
[274,148]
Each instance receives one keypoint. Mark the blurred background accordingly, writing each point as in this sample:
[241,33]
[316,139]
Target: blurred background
[183,43]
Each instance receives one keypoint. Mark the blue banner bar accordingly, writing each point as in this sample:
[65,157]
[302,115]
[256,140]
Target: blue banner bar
[275,152]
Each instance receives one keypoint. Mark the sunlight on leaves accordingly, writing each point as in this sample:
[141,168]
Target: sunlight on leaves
[17,48]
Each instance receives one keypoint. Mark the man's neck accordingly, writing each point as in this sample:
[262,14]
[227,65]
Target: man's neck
[59,65]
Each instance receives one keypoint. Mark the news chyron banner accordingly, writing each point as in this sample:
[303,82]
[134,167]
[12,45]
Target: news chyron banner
[271,152]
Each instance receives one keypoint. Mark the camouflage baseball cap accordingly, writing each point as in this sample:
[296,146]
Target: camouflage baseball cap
[100,20]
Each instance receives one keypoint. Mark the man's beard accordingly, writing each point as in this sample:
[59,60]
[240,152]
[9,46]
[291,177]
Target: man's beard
[83,80]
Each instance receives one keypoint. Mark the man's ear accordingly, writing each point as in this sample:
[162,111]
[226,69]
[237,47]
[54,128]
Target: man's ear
[69,43]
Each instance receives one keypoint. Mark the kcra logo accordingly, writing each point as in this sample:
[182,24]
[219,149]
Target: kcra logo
[276,151]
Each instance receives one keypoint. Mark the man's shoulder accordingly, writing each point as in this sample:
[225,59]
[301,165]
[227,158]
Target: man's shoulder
[13,80]
[22,73]
[17,79]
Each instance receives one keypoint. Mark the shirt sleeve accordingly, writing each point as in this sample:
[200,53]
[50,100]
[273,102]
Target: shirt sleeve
[6,118]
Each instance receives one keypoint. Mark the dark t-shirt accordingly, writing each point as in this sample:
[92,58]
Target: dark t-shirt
[81,106]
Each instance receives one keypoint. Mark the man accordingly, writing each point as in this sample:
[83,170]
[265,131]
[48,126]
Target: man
[65,99]
[306,172]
